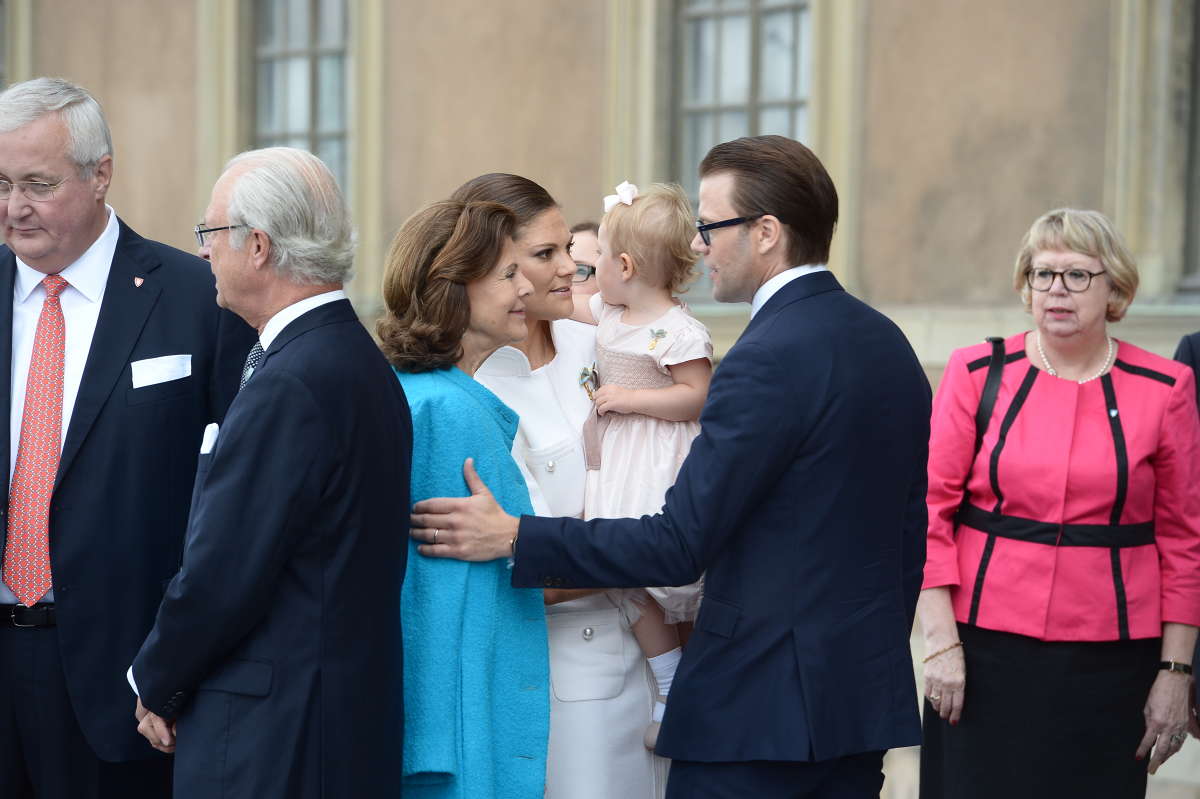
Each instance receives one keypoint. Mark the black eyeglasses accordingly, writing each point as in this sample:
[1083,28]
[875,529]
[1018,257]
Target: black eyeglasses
[703,227]
[583,272]
[1073,280]
[202,231]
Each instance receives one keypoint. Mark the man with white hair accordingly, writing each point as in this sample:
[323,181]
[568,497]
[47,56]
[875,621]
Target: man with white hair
[113,357]
[276,656]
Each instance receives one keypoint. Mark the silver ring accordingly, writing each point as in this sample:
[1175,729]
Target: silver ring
[435,534]
[1178,738]
[933,698]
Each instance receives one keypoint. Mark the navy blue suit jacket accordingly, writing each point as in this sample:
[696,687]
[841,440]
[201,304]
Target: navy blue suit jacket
[1189,352]
[120,501]
[803,499]
[277,646]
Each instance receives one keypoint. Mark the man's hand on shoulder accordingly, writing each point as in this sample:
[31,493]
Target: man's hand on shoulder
[471,528]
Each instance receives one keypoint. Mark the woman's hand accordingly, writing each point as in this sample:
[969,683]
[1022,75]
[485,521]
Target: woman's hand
[946,683]
[1167,710]
[945,671]
[614,399]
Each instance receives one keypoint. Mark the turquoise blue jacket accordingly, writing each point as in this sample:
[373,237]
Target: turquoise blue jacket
[476,669]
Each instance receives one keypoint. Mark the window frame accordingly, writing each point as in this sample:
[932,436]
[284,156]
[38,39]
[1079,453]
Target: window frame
[312,52]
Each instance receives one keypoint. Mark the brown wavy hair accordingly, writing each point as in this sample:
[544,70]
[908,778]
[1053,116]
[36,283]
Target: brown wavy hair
[435,254]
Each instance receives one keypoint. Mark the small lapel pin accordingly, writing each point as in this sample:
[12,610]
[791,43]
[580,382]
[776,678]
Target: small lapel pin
[138,281]
[1112,412]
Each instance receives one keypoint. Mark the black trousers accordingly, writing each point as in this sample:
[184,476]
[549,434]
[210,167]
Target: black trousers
[43,752]
[852,777]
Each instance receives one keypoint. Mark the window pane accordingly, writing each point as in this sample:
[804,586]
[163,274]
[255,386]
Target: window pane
[331,29]
[297,97]
[697,140]
[732,125]
[333,153]
[777,120]
[331,97]
[269,118]
[803,60]
[701,4]
[735,59]
[778,55]
[733,3]
[266,23]
[701,60]
[297,24]
[800,131]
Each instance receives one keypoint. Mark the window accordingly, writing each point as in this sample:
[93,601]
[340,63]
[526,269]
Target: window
[1189,285]
[3,44]
[301,67]
[744,72]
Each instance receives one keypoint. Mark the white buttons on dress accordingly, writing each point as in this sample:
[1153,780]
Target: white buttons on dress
[550,466]
[588,632]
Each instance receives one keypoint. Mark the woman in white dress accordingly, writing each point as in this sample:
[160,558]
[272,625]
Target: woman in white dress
[602,690]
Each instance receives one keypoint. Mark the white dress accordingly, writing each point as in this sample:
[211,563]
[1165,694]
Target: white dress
[602,690]
[639,455]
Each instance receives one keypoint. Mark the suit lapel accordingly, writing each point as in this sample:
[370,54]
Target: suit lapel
[123,313]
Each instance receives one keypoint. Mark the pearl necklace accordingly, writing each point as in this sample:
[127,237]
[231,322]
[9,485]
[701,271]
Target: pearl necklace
[1050,370]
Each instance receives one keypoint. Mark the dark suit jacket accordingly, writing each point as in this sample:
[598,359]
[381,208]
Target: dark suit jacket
[1189,352]
[120,501]
[803,498]
[277,645]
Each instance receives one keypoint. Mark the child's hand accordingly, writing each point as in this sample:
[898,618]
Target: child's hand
[614,399]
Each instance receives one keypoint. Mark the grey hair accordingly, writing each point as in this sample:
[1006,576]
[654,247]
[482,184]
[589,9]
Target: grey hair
[88,136]
[291,195]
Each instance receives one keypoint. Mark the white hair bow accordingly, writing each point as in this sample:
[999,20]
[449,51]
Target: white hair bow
[626,193]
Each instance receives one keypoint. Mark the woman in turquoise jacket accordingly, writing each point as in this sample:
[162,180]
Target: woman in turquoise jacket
[476,671]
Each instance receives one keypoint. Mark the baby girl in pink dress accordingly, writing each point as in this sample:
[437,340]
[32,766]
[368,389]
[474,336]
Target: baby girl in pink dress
[653,364]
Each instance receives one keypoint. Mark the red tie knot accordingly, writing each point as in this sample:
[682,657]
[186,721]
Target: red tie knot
[54,285]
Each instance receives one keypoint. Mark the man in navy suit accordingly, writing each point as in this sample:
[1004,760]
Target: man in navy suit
[275,658]
[113,358]
[803,499]
[1188,352]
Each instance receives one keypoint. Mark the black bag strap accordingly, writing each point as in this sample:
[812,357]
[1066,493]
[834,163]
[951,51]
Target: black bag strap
[991,389]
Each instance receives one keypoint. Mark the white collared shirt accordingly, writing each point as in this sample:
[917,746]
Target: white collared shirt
[87,277]
[767,290]
[285,317]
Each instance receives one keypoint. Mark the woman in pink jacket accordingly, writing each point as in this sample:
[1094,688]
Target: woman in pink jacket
[1062,584]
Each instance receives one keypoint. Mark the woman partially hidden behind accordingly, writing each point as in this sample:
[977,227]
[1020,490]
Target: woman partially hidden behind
[475,665]
[1062,584]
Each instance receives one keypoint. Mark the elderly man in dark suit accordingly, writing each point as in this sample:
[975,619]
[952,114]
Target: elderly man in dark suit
[113,359]
[275,657]
[803,499]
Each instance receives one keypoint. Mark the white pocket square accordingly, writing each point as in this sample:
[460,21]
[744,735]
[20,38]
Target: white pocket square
[159,370]
[210,438]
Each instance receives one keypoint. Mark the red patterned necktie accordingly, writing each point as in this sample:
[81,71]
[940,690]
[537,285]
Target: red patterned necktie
[27,554]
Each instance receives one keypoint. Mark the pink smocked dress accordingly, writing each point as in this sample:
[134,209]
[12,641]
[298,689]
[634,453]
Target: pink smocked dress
[639,456]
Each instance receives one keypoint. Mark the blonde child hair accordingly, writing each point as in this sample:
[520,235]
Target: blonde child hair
[656,232]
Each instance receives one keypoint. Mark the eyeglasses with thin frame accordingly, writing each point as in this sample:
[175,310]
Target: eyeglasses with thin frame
[703,228]
[583,273]
[1073,280]
[36,190]
[202,231]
